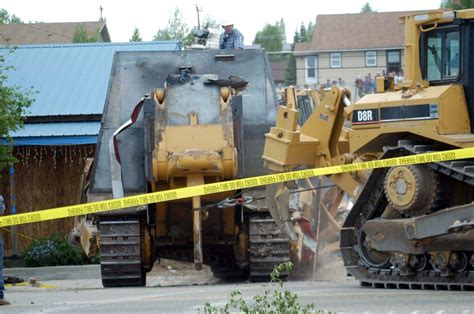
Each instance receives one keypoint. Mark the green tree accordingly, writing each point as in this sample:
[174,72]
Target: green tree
[305,34]
[290,74]
[209,22]
[6,18]
[366,8]
[271,37]
[457,4]
[82,36]
[281,24]
[176,29]
[136,35]
[296,37]
[13,104]
[309,32]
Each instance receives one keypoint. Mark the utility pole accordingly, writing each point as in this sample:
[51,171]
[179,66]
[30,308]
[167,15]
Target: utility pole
[197,11]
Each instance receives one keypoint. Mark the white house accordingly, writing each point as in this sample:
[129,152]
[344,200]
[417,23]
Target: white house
[351,46]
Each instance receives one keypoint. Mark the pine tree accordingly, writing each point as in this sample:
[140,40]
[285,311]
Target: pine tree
[309,31]
[296,37]
[366,8]
[136,35]
[290,74]
[304,35]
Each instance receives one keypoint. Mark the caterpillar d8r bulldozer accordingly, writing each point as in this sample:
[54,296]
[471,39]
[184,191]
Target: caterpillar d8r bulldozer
[192,128]
[409,226]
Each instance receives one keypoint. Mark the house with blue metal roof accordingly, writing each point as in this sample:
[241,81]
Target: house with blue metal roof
[71,83]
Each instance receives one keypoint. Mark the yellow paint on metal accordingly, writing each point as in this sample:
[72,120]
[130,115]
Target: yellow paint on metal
[27,284]
[205,189]
[453,117]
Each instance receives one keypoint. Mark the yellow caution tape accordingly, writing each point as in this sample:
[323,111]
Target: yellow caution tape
[169,195]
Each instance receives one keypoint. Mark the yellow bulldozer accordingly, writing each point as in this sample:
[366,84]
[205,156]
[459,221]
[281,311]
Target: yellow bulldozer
[202,120]
[408,226]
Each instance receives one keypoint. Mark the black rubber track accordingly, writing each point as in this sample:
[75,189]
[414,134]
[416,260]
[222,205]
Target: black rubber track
[120,252]
[371,204]
[268,247]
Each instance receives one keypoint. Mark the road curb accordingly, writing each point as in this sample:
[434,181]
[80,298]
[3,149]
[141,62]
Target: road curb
[55,272]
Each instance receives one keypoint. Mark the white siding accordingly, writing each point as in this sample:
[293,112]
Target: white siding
[353,66]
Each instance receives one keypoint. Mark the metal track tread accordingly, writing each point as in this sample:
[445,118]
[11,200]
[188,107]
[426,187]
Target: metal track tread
[371,204]
[268,247]
[120,251]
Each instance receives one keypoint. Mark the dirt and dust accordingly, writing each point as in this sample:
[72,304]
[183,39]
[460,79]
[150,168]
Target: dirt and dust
[168,272]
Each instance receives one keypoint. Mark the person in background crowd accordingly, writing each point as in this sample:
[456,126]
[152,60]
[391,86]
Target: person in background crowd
[359,84]
[3,301]
[367,85]
[400,77]
[328,84]
[231,38]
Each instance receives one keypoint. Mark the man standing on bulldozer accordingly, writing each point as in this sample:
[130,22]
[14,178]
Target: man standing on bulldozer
[231,38]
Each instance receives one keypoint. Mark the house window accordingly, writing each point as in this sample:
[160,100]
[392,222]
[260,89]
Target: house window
[394,63]
[371,58]
[335,60]
[311,76]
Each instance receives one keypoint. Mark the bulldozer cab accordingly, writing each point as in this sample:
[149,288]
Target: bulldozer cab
[445,57]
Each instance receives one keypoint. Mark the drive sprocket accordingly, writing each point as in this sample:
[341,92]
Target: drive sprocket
[412,190]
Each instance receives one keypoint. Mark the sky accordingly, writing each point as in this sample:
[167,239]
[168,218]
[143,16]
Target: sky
[248,16]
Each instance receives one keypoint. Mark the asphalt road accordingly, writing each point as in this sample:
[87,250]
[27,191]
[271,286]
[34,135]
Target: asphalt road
[346,296]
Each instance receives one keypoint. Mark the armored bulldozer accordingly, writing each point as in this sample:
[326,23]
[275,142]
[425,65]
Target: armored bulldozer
[201,119]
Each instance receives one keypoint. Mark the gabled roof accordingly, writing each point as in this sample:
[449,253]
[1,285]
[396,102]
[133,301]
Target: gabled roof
[356,31]
[49,33]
